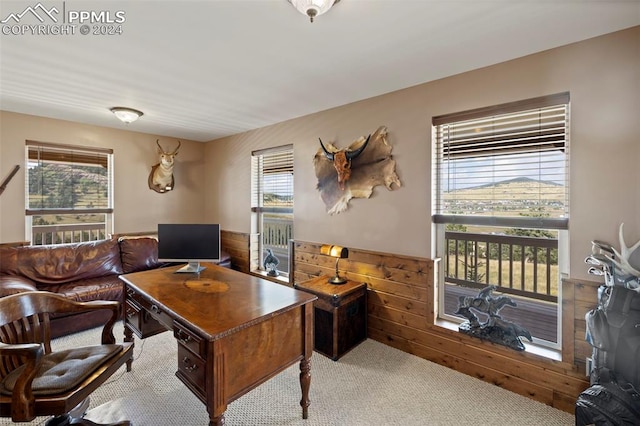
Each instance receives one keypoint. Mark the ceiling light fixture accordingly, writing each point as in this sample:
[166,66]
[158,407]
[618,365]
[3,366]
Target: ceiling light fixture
[127,115]
[313,8]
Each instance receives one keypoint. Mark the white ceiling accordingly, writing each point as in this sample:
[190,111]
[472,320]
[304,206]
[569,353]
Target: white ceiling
[202,70]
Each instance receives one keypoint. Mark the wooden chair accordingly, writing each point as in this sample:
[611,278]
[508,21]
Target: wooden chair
[34,381]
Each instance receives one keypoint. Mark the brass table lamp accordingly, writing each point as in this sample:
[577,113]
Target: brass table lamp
[339,253]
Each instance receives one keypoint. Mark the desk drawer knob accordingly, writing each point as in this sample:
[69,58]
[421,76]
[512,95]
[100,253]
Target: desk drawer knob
[190,368]
[183,337]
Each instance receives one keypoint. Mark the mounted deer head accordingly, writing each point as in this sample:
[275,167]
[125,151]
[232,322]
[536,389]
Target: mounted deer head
[161,176]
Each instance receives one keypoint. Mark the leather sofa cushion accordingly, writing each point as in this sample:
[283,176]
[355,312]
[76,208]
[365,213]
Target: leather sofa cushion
[61,371]
[101,288]
[139,254]
[62,263]
[11,284]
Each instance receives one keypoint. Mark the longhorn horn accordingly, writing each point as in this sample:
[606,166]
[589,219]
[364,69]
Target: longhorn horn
[328,154]
[354,154]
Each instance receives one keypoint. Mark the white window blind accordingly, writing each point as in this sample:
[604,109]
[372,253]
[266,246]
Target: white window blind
[523,146]
[272,206]
[68,179]
[272,181]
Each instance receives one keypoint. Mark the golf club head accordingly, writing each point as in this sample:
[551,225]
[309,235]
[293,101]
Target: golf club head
[599,260]
[591,260]
[601,245]
[595,271]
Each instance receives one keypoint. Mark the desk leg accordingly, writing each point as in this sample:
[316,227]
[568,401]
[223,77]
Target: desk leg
[305,383]
[128,337]
[217,421]
[216,389]
[305,363]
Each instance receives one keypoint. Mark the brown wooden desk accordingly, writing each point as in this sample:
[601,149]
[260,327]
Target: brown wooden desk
[234,330]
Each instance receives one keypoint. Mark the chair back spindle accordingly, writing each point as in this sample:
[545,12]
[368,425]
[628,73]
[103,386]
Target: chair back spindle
[32,329]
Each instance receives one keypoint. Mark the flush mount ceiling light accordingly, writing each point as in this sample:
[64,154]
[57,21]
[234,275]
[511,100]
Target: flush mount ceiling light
[313,8]
[127,115]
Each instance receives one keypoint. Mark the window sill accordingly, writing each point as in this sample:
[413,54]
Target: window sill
[531,348]
[279,279]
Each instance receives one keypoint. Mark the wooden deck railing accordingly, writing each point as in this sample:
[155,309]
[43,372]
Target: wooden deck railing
[523,266]
[277,232]
[276,235]
[67,233]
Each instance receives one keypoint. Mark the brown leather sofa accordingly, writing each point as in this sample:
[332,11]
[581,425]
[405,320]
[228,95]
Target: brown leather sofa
[80,271]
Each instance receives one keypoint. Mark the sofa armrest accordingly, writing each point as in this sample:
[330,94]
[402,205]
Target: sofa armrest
[11,284]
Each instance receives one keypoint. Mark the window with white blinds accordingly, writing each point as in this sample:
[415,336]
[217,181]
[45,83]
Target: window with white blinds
[68,179]
[69,193]
[272,180]
[505,165]
[272,207]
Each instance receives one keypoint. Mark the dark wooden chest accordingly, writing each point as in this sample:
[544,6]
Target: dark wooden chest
[340,315]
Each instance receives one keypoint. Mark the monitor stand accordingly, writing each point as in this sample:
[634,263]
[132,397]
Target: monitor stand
[191,268]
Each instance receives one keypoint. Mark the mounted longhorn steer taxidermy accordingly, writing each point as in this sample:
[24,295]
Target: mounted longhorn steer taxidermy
[161,176]
[354,171]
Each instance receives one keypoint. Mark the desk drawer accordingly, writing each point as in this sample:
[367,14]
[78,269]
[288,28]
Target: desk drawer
[189,339]
[140,321]
[154,310]
[191,368]
[134,317]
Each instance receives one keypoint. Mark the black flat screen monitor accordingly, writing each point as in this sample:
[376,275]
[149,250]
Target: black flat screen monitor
[191,243]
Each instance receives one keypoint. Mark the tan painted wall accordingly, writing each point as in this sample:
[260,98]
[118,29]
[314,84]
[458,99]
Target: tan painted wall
[137,208]
[603,78]
[602,75]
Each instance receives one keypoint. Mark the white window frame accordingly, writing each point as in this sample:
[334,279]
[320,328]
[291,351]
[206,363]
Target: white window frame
[441,218]
[45,152]
[280,161]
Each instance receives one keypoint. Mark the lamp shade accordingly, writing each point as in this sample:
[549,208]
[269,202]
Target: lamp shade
[339,253]
[126,115]
[334,251]
[313,8]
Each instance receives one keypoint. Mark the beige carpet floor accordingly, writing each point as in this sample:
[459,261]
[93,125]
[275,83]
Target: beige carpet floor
[372,384]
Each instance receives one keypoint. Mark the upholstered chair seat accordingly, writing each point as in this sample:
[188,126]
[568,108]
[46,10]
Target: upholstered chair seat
[36,381]
[59,372]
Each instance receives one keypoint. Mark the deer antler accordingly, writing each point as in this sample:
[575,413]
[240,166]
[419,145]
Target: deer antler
[162,151]
[177,148]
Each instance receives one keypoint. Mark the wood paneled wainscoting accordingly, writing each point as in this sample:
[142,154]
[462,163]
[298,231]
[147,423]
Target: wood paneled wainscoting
[578,298]
[237,245]
[401,313]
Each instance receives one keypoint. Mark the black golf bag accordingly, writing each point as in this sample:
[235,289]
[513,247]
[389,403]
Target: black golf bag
[613,329]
